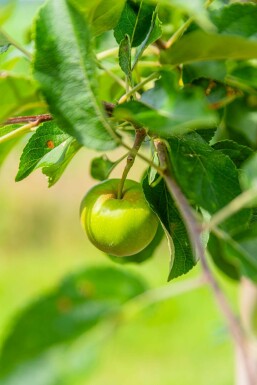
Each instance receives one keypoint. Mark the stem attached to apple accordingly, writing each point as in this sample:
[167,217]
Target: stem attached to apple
[140,134]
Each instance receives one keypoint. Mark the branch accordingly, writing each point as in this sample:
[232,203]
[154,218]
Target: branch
[194,231]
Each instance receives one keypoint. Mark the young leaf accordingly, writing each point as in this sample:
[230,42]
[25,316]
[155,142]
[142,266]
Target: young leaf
[82,301]
[208,178]
[182,259]
[125,56]
[135,21]
[154,33]
[66,70]
[46,146]
[101,167]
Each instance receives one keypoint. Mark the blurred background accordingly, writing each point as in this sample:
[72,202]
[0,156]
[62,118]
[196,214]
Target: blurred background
[182,340]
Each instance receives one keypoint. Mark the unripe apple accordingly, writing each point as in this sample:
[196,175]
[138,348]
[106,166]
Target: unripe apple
[119,227]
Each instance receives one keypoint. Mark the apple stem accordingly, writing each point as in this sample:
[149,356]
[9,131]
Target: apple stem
[139,138]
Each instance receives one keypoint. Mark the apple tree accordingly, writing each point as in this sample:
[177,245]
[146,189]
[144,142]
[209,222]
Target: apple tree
[173,83]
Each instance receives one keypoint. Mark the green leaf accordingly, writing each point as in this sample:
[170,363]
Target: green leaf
[168,110]
[66,70]
[125,56]
[236,152]
[6,9]
[81,302]
[213,47]
[182,259]
[103,15]
[154,33]
[208,178]
[222,259]
[47,146]
[236,19]
[55,170]
[101,167]
[135,21]
[144,254]
[215,70]
[240,122]
[248,175]
[239,252]
[16,93]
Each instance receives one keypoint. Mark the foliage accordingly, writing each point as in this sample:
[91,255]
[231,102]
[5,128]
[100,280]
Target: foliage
[184,71]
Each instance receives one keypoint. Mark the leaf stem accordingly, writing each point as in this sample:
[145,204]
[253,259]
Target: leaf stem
[194,231]
[154,75]
[177,35]
[231,208]
[16,44]
[140,134]
[20,131]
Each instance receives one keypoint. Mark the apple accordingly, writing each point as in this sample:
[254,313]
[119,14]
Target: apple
[120,227]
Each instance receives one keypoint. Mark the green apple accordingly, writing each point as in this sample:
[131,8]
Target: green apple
[120,227]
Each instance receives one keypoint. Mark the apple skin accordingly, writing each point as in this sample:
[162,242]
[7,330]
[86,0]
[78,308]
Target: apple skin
[120,227]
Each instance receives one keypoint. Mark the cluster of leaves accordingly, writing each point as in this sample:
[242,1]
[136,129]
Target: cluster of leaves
[185,72]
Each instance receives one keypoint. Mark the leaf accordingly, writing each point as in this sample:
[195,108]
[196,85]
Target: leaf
[236,19]
[143,255]
[215,70]
[168,110]
[55,170]
[201,46]
[101,167]
[46,146]
[16,93]
[66,70]
[248,177]
[222,260]
[135,21]
[154,33]
[182,259]
[239,251]
[102,15]
[81,302]
[6,9]
[241,122]
[236,152]
[194,8]
[125,56]
[208,178]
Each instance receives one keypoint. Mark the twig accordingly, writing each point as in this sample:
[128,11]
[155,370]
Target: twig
[194,232]
[109,107]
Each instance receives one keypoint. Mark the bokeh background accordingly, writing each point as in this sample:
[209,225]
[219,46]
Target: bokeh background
[182,340]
